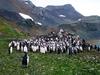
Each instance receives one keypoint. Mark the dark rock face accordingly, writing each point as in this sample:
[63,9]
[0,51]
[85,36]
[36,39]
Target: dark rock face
[6,5]
[9,15]
[16,5]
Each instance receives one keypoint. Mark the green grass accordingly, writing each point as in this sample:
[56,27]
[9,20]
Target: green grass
[7,30]
[86,63]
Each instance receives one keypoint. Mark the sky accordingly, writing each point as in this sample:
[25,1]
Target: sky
[85,7]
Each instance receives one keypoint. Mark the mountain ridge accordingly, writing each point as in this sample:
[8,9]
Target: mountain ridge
[46,16]
[64,16]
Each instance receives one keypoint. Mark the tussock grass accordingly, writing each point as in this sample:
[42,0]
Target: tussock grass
[86,63]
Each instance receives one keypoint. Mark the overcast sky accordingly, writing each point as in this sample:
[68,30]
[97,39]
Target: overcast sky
[85,7]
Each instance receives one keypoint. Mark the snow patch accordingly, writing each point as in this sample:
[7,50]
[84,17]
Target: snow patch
[25,16]
[39,23]
[62,16]
[26,3]
[79,19]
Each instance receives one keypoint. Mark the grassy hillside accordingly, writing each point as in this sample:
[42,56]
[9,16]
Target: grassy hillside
[7,30]
[86,63]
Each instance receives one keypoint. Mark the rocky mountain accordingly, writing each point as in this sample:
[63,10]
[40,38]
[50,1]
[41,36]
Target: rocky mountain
[51,15]
[61,14]
[41,19]
[55,15]
[17,5]
[10,15]
[87,27]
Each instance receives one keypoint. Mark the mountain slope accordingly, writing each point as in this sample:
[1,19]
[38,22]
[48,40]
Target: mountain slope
[51,15]
[55,15]
[9,30]
[87,27]
[16,5]
[10,15]
[66,16]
